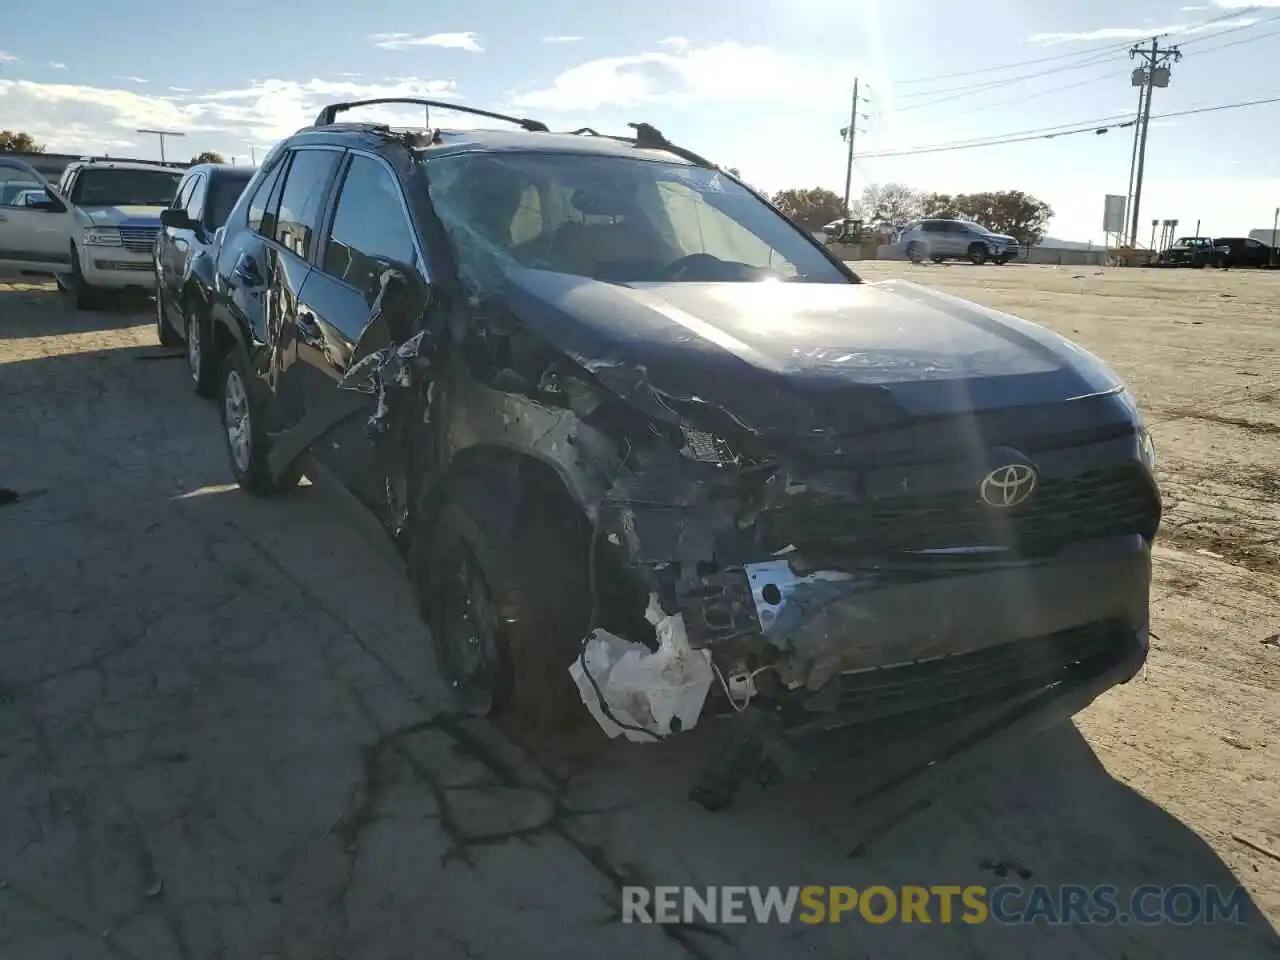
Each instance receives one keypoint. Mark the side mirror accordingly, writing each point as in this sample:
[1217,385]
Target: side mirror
[177,219]
[46,202]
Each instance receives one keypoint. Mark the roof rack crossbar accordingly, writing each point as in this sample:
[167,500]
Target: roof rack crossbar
[329,114]
[650,138]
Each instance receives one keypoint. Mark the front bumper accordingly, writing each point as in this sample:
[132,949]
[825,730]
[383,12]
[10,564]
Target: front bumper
[850,649]
[116,267]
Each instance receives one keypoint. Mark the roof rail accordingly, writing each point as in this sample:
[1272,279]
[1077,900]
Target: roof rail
[649,137]
[329,114]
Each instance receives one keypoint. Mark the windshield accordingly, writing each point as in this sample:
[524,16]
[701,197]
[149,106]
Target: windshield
[114,187]
[226,191]
[615,219]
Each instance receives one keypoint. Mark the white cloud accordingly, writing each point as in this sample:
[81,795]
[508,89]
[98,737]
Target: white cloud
[1140,33]
[134,79]
[180,89]
[720,72]
[56,65]
[7,57]
[76,118]
[404,41]
[676,43]
[566,39]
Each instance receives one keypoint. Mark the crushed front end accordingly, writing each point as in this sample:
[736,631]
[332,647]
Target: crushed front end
[928,568]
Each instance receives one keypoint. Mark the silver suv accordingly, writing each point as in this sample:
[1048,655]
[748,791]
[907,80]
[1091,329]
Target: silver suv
[937,240]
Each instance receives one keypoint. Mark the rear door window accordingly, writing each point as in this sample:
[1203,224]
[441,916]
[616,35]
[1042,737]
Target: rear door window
[262,208]
[195,199]
[302,201]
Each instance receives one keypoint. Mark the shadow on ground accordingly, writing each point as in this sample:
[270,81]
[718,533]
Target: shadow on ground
[35,307]
[221,735]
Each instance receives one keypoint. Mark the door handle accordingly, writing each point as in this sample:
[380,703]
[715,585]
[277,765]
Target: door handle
[246,271]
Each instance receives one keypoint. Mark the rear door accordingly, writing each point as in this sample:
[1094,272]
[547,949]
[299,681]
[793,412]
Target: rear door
[368,230]
[32,237]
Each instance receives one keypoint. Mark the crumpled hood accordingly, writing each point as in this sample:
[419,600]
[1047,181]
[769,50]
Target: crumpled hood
[789,358]
[116,215]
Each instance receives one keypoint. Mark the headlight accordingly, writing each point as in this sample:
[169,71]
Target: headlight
[1146,448]
[102,237]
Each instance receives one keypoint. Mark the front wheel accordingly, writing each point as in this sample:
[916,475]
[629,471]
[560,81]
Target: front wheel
[915,252]
[85,296]
[977,254]
[165,333]
[507,601]
[202,363]
[243,428]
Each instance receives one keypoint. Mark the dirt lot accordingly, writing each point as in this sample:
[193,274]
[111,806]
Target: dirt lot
[221,734]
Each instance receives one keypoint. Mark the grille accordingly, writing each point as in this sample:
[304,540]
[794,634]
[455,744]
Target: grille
[1005,669]
[138,239]
[1094,504]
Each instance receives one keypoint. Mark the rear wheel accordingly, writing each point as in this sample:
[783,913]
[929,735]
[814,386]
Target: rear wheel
[242,408]
[977,254]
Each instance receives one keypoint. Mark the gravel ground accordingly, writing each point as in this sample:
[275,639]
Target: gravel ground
[221,732]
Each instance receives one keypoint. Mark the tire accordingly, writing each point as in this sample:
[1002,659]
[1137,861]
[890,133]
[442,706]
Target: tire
[977,254]
[83,295]
[202,360]
[165,333]
[242,412]
[915,252]
[1001,261]
[515,583]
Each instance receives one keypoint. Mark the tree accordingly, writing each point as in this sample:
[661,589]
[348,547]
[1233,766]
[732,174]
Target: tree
[18,142]
[892,203]
[810,208]
[209,156]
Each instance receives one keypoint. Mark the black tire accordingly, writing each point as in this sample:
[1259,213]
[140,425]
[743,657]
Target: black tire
[915,252]
[516,581]
[977,254]
[1001,261]
[165,333]
[83,295]
[248,464]
[937,259]
[202,359]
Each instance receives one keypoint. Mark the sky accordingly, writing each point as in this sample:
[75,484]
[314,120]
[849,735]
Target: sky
[761,85]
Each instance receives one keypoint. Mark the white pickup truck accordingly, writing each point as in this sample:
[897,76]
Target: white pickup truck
[94,230]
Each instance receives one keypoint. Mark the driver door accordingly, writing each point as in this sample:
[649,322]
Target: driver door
[37,237]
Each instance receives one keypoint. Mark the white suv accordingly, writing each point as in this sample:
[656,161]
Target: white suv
[94,231]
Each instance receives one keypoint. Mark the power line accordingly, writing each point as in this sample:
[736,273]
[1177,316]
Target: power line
[1235,29]
[1101,125]
[1013,66]
[1092,61]
[1108,78]
[1236,43]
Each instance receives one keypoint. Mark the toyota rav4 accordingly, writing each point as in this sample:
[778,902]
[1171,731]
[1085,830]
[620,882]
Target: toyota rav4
[645,444]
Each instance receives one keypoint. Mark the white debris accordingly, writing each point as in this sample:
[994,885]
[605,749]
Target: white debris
[660,692]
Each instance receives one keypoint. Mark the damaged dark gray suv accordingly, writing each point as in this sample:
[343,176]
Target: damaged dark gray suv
[645,445]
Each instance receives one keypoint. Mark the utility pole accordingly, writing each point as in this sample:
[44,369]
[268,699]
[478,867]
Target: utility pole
[847,134]
[1133,162]
[1275,222]
[1154,73]
[162,134]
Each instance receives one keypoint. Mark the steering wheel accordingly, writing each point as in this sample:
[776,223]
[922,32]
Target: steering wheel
[677,269]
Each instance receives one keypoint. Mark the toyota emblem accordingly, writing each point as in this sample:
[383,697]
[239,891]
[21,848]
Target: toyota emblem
[1009,485]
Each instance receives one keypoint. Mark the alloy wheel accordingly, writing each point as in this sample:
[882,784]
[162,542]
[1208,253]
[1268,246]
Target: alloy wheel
[235,415]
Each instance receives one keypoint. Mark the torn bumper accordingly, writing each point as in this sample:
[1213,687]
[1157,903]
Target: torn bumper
[846,648]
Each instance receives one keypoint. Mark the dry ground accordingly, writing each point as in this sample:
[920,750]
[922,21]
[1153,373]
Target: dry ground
[221,734]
